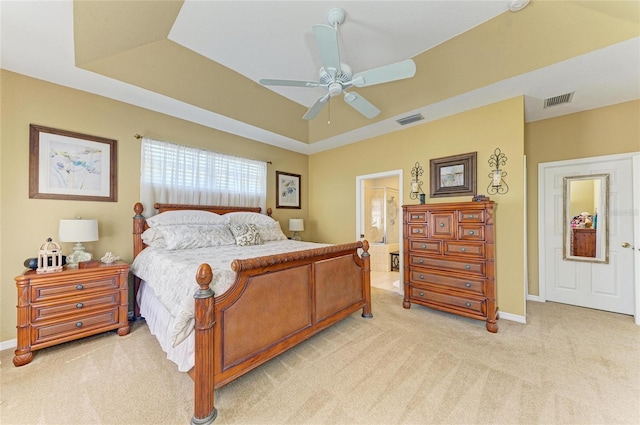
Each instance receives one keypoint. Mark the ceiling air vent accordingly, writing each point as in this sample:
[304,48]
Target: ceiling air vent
[558,100]
[410,119]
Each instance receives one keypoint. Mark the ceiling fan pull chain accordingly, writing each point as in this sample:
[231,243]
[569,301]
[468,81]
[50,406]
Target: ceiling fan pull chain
[329,109]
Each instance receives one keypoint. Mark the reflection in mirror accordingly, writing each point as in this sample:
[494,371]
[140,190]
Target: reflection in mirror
[586,214]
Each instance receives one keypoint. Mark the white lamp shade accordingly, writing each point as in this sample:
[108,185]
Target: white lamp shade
[78,230]
[296,224]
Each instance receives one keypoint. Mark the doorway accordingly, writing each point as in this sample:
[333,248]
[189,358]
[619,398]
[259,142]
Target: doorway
[379,221]
[611,285]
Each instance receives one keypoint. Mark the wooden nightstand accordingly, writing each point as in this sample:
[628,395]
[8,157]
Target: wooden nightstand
[62,306]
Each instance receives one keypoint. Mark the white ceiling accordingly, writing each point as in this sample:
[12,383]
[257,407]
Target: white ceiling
[36,39]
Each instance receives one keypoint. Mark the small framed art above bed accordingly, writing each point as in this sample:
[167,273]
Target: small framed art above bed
[224,291]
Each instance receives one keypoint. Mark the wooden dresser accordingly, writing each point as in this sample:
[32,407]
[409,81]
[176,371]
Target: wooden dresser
[449,259]
[583,242]
[62,306]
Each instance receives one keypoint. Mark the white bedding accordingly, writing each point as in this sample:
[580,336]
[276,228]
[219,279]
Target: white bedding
[171,274]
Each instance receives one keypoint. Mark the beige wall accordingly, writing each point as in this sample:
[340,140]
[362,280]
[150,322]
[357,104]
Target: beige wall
[605,131]
[26,223]
[333,175]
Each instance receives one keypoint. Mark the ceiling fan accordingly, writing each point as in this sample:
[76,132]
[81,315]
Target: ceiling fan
[336,77]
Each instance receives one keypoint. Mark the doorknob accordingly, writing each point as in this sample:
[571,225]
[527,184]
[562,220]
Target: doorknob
[626,244]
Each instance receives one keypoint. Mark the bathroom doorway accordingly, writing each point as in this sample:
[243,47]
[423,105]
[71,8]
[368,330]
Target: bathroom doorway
[379,221]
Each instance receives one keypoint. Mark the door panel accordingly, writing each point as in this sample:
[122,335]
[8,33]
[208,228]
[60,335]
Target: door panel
[594,285]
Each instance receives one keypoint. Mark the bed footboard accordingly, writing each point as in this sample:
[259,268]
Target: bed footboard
[275,303]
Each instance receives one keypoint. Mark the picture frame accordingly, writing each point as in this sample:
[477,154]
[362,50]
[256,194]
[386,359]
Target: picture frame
[288,190]
[65,165]
[453,175]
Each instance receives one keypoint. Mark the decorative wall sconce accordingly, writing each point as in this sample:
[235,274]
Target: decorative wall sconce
[498,185]
[416,183]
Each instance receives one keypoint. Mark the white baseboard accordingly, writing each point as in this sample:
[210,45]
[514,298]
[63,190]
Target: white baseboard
[513,317]
[534,298]
[5,345]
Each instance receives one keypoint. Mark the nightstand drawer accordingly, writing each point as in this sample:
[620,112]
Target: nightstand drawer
[70,287]
[469,305]
[75,326]
[78,305]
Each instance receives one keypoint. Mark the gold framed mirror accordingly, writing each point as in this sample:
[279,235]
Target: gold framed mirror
[586,218]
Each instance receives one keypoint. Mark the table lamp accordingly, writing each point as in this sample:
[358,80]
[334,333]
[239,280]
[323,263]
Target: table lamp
[296,225]
[78,230]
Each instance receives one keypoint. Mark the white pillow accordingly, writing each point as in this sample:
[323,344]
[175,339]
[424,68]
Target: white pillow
[243,217]
[271,232]
[187,236]
[246,234]
[153,237]
[168,218]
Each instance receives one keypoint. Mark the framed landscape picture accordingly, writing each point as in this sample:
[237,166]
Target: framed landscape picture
[453,175]
[71,166]
[287,190]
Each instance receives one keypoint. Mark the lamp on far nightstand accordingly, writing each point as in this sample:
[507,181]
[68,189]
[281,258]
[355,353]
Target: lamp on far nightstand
[296,225]
[78,230]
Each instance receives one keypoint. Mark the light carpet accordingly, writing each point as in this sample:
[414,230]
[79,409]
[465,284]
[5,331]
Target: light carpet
[567,365]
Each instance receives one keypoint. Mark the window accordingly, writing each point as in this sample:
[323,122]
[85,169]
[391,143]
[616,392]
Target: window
[178,174]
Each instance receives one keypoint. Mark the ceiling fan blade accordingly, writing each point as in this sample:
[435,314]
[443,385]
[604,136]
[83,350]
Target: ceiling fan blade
[293,83]
[316,108]
[361,105]
[327,42]
[384,74]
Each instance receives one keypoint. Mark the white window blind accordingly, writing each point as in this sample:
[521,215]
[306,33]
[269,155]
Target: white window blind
[178,174]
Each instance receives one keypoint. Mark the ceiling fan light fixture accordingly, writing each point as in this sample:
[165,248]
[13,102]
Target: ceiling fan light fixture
[518,5]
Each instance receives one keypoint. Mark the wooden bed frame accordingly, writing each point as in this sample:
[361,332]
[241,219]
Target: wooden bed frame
[275,303]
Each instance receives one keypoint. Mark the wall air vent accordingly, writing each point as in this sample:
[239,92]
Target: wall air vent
[558,100]
[410,119]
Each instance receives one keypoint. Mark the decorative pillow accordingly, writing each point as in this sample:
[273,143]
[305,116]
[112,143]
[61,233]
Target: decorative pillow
[242,217]
[246,234]
[168,218]
[153,237]
[188,236]
[271,232]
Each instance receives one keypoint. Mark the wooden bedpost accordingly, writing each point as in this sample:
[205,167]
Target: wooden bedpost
[366,258]
[138,246]
[204,409]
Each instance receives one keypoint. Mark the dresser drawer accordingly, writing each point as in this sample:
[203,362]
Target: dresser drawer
[465,266]
[419,276]
[418,230]
[71,328]
[72,287]
[469,305]
[467,249]
[471,216]
[442,225]
[432,247]
[77,305]
[417,216]
[474,232]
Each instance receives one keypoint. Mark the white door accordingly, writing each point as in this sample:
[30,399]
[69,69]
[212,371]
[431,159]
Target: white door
[601,286]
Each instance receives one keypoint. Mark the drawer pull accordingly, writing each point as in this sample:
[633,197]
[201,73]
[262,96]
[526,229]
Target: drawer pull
[441,224]
[470,216]
[415,216]
[421,261]
[416,231]
[466,266]
[463,249]
[424,246]
[78,324]
[468,285]
[421,276]
[79,287]
[471,232]
[421,294]
[468,304]
[79,305]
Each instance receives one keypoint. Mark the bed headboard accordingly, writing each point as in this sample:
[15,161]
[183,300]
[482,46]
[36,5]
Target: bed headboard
[140,222]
